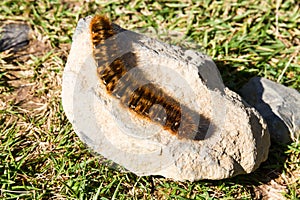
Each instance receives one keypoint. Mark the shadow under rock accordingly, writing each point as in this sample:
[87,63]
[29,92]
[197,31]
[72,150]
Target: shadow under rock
[232,77]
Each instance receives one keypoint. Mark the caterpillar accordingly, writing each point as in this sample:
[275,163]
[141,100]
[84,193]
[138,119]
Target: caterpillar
[148,101]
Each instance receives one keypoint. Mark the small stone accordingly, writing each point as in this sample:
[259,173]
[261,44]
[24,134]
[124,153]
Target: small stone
[279,106]
[157,109]
[14,37]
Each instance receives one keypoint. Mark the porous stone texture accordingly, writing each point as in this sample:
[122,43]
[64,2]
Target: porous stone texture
[279,106]
[237,140]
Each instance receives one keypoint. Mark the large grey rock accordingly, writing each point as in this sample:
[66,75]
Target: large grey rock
[279,105]
[186,126]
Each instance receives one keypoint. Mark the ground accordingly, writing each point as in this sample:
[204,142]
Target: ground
[42,158]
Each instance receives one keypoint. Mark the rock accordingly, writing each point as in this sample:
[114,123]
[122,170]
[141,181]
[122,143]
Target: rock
[157,109]
[279,106]
[14,37]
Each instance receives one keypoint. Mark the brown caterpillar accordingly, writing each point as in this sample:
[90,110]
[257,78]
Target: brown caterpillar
[146,100]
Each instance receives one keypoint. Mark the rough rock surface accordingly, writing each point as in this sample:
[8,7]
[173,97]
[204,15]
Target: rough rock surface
[233,136]
[279,105]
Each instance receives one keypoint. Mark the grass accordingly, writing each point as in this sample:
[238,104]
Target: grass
[42,158]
